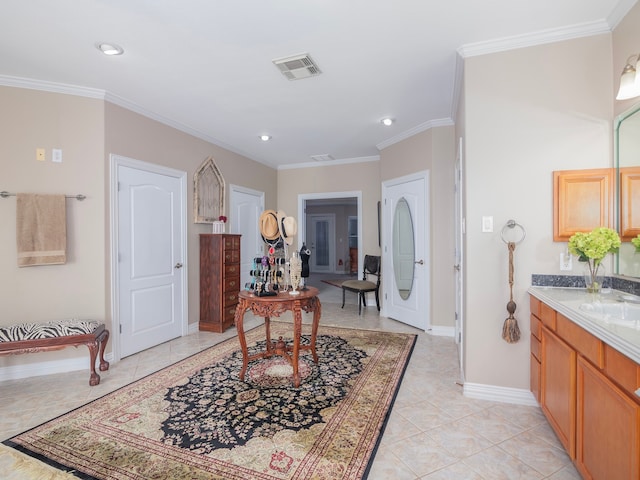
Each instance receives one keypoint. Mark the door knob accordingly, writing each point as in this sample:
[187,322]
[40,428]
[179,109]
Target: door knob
[178,265]
[420,262]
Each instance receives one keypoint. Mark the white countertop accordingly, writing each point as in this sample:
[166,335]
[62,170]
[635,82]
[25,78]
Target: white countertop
[570,302]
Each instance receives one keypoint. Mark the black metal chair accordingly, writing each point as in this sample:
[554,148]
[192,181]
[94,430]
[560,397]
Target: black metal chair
[361,287]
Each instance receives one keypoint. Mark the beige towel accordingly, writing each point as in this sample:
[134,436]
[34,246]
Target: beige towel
[41,229]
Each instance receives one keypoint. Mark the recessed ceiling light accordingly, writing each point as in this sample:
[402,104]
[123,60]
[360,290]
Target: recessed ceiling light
[110,49]
[265,138]
[387,121]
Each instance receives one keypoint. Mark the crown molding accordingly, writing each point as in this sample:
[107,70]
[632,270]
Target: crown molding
[535,38]
[43,85]
[342,161]
[439,122]
[619,12]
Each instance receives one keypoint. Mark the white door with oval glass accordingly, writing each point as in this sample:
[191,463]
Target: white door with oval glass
[405,264]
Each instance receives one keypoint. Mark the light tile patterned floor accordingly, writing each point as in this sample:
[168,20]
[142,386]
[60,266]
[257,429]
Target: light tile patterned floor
[433,433]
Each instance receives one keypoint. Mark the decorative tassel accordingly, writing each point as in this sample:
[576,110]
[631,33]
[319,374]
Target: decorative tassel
[510,329]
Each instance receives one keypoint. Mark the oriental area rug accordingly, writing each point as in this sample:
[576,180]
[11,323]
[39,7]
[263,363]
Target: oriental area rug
[196,420]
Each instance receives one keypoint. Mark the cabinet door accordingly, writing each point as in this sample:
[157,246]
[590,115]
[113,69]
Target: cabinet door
[582,201]
[608,443]
[629,202]
[558,388]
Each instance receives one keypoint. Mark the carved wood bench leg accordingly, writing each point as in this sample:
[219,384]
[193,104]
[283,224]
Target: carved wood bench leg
[104,365]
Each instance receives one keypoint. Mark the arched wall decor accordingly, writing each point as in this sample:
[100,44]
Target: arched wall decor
[208,196]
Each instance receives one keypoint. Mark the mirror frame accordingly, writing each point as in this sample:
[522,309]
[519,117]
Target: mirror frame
[633,110]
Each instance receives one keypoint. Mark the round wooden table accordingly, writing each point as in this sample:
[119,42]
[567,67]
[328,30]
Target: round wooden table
[274,306]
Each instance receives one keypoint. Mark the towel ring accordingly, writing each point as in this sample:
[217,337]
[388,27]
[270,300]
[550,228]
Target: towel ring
[513,224]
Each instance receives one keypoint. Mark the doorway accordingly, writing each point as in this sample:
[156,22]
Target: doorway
[148,255]
[341,205]
[405,259]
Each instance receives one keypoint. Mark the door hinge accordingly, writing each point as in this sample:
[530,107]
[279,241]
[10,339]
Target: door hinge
[120,328]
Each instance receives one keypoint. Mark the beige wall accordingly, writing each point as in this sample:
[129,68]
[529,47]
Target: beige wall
[32,119]
[363,177]
[432,150]
[626,42]
[528,112]
[88,130]
[135,136]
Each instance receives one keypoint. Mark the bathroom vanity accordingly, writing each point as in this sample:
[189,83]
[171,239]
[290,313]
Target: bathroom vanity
[585,373]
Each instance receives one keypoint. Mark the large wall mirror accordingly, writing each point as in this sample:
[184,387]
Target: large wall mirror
[627,141]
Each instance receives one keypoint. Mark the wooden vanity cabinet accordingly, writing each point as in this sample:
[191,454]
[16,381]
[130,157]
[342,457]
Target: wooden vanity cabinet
[558,388]
[219,280]
[587,391]
[582,201]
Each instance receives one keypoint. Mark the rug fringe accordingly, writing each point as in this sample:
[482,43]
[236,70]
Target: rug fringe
[19,466]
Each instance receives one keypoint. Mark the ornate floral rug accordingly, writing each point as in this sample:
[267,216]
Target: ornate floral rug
[196,420]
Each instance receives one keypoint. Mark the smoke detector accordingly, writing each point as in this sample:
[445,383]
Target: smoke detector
[297,66]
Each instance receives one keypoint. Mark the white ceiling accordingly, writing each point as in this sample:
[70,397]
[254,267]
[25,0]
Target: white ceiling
[205,66]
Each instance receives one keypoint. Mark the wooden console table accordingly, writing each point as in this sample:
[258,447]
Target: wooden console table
[274,306]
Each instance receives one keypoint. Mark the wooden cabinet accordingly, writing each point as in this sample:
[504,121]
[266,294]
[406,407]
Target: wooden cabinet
[219,280]
[587,391]
[608,437]
[629,202]
[582,201]
[353,260]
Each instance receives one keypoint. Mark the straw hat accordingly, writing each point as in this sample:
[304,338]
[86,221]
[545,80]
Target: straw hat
[288,226]
[269,225]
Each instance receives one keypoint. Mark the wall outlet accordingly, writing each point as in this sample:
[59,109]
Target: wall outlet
[566,261]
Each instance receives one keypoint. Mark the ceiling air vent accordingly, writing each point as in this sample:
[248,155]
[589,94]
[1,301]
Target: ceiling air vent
[325,157]
[297,66]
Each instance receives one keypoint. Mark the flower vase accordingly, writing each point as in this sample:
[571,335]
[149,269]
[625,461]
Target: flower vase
[593,277]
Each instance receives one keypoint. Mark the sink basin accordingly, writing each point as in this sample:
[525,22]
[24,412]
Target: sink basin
[623,313]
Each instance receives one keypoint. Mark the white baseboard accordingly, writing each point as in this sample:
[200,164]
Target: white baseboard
[499,394]
[16,372]
[441,331]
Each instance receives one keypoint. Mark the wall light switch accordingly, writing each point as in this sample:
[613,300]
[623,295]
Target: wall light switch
[56,155]
[40,154]
[487,224]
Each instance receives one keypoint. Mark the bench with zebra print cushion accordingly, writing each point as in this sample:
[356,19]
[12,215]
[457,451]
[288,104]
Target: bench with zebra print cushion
[39,337]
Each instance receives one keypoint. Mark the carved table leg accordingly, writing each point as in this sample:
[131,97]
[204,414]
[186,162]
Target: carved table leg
[238,319]
[297,331]
[317,307]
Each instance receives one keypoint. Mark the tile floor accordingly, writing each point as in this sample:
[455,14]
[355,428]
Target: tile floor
[433,433]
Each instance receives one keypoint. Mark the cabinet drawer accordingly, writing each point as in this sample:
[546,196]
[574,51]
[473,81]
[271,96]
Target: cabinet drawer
[232,283]
[548,316]
[229,315]
[586,344]
[232,270]
[534,306]
[230,298]
[536,326]
[622,370]
[535,347]
[231,255]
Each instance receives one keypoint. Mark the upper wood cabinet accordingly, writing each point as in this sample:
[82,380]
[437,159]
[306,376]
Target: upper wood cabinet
[582,201]
[629,202]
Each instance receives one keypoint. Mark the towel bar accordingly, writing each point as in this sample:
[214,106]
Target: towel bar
[5,194]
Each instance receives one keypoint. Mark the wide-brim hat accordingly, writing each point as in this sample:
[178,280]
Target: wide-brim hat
[288,226]
[269,225]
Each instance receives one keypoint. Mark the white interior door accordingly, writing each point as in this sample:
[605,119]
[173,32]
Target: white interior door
[151,256]
[408,307]
[246,205]
[323,235]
